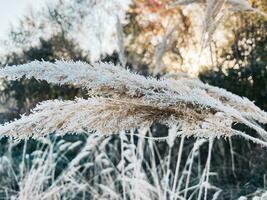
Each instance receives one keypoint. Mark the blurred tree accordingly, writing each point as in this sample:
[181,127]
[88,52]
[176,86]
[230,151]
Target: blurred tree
[167,38]
[89,23]
[243,67]
[156,34]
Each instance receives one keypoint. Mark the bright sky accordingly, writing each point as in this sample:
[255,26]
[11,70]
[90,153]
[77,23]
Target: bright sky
[12,10]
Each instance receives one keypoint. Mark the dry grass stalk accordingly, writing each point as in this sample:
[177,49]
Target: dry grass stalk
[129,101]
